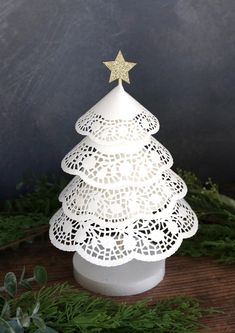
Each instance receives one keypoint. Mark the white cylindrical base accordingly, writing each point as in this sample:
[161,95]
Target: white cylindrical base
[131,278]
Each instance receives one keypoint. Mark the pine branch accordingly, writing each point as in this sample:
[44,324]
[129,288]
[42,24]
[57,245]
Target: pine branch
[216,213]
[37,196]
[21,228]
[69,311]
[63,309]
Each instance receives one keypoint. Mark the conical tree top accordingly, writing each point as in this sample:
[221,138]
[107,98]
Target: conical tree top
[118,105]
[117,117]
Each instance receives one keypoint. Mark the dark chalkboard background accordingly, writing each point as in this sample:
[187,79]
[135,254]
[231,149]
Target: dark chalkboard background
[51,72]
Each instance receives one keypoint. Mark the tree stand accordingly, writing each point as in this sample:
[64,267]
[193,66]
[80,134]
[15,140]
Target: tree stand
[131,278]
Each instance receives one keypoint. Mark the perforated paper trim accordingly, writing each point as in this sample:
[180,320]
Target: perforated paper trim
[147,240]
[124,201]
[107,170]
[108,132]
[124,204]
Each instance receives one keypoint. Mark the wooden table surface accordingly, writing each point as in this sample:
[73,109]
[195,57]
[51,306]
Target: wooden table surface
[212,284]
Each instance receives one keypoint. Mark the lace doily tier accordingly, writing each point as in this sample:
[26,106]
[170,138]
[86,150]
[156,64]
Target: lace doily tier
[146,240]
[108,168]
[113,131]
[124,204]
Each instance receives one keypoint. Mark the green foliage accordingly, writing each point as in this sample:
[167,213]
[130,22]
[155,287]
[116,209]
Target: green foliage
[40,274]
[207,202]
[7,327]
[47,330]
[15,227]
[10,284]
[216,213]
[6,310]
[23,216]
[211,240]
[28,316]
[63,309]
[40,196]
[68,311]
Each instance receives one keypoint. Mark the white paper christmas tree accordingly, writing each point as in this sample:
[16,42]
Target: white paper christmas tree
[124,202]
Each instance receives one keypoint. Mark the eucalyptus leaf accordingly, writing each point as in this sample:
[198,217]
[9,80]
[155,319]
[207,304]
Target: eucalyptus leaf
[6,311]
[19,312]
[22,318]
[22,275]
[40,274]
[10,284]
[25,283]
[14,324]
[5,327]
[39,322]
[25,320]
[36,309]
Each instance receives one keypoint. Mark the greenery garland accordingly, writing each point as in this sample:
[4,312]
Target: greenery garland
[62,309]
[28,215]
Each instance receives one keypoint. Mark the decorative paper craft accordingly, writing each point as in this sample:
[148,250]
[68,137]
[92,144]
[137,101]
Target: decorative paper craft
[124,202]
[123,213]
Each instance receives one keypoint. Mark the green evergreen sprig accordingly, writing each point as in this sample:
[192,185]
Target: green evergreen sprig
[62,309]
[209,204]
[216,214]
[24,217]
[38,195]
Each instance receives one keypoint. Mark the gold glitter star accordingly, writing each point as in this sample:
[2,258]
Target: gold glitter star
[119,68]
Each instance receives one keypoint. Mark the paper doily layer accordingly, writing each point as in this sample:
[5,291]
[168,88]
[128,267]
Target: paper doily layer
[113,131]
[147,240]
[106,170]
[124,204]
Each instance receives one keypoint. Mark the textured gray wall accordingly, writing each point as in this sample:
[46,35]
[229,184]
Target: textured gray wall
[51,72]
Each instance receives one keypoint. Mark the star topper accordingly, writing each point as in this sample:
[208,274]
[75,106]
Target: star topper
[119,68]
